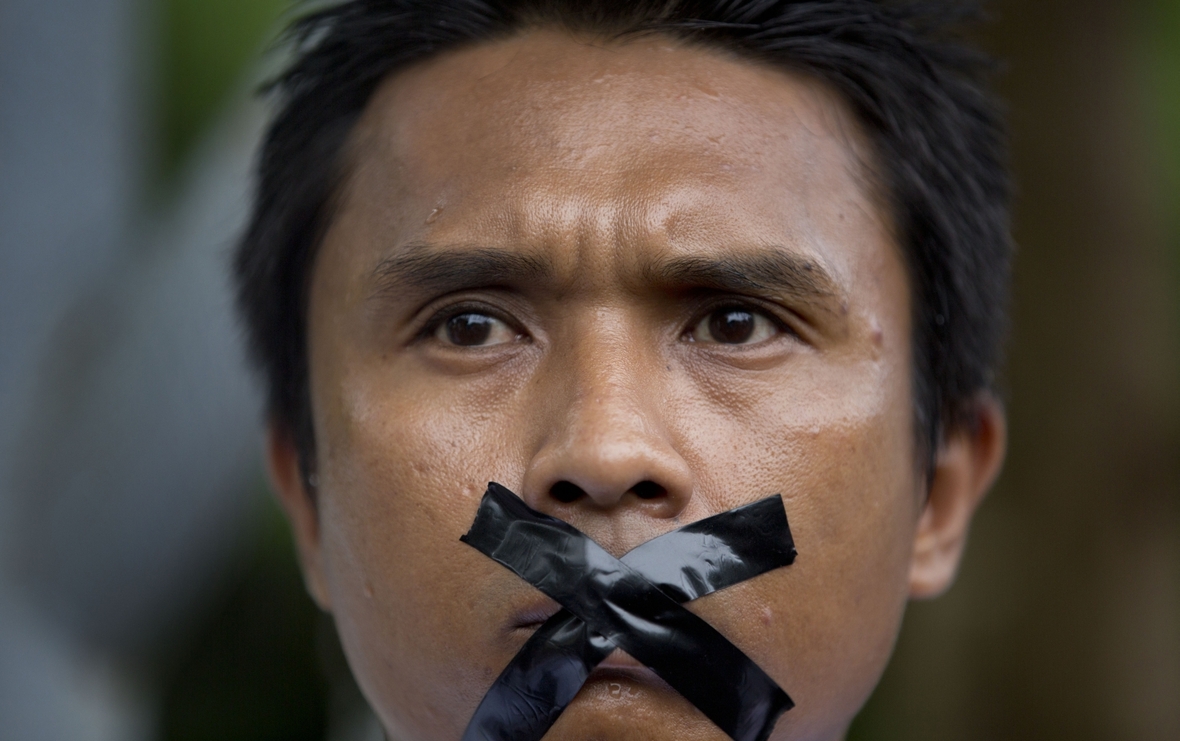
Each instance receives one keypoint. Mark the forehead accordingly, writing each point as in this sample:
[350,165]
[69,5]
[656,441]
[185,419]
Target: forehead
[546,137]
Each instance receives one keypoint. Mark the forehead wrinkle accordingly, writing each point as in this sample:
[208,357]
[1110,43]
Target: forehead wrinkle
[576,232]
[605,231]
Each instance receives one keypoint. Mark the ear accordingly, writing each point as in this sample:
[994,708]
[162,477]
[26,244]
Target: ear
[965,468]
[286,478]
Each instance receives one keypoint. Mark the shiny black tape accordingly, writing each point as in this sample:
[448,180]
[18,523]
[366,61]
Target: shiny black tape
[631,603]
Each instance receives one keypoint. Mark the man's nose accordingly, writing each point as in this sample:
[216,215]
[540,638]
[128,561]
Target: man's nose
[608,443]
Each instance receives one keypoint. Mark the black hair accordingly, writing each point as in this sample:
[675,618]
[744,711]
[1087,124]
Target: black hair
[938,138]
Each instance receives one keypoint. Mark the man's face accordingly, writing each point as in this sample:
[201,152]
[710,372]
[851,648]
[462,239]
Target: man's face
[639,284]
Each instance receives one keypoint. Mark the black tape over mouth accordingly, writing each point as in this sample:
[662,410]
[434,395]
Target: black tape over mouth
[632,603]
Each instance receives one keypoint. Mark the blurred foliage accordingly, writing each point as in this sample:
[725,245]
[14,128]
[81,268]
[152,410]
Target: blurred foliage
[206,48]
[1161,65]
[252,672]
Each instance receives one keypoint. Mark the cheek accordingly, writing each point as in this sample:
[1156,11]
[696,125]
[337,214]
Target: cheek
[401,477]
[837,446]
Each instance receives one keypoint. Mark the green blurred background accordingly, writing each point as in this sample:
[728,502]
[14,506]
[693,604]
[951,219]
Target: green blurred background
[1065,622]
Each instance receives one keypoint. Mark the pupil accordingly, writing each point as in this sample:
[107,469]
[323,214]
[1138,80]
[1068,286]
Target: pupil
[732,326]
[469,329]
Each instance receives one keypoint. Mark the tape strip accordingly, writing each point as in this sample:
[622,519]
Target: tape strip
[631,603]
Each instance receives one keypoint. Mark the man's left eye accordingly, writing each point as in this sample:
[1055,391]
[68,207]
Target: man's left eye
[473,329]
[734,325]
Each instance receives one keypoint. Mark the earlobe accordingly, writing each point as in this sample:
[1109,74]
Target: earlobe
[965,469]
[286,478]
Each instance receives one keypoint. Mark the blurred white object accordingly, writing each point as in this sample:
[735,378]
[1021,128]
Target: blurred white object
[128,423]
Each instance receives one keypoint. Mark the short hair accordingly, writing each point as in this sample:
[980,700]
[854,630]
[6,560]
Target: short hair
[938,140]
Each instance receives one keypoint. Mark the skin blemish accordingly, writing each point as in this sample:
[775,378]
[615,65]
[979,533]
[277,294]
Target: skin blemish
[707,89]
[877,334]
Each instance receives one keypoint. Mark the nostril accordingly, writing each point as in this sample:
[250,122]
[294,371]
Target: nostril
[648,490]
[566,492]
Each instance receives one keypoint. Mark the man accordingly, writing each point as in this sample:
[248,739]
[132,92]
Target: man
[642,263]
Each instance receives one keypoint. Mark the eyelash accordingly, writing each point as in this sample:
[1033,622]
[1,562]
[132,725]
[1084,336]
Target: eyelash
[741,304]
[431,326]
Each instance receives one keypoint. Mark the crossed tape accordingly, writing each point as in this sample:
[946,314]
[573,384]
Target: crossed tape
[632,603]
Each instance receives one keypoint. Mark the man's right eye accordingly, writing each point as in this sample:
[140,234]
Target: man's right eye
[473,329]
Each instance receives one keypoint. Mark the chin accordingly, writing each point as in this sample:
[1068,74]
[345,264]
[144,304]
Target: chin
[624,704]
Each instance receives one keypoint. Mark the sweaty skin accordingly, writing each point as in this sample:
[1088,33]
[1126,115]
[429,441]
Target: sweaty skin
[639,283]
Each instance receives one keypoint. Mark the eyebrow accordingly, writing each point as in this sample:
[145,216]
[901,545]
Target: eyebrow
[775,270]
[430,269]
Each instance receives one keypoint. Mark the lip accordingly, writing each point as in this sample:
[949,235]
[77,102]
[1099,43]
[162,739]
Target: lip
[533,615]
[619,666]
[618,660]
[616,666]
